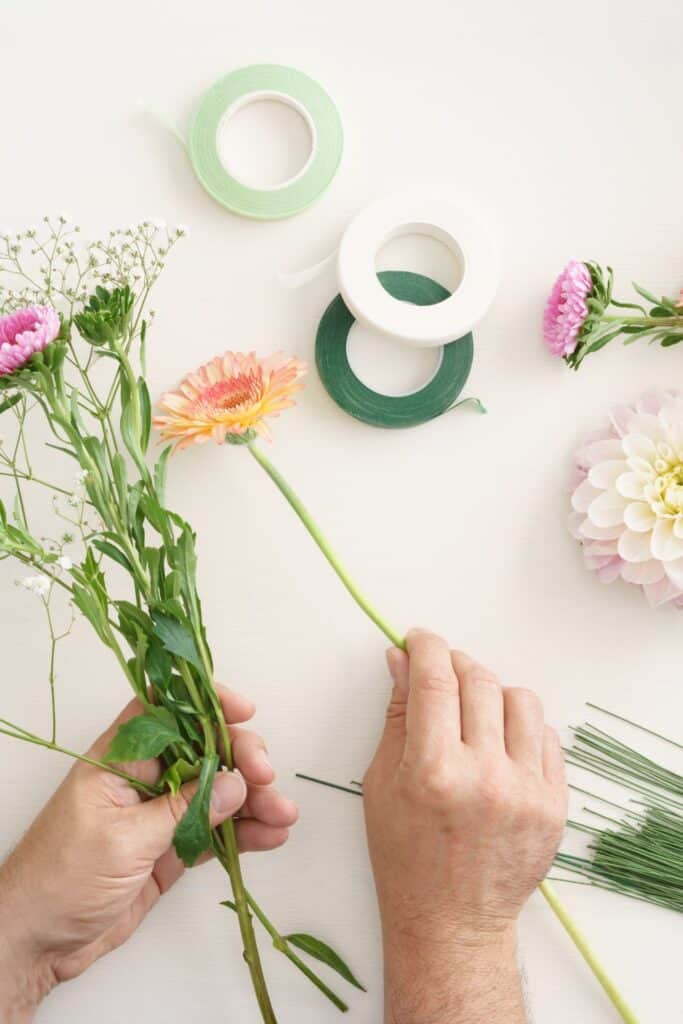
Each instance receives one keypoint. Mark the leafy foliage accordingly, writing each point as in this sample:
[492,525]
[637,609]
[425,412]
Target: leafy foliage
[106,316]
[144,737]
[193,833]
[662,323]
[321,951]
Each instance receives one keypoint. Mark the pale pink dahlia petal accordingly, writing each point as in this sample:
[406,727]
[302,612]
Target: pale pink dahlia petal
[610,571]
[566,309]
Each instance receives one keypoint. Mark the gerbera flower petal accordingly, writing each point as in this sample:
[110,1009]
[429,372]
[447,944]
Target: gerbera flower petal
[231,394]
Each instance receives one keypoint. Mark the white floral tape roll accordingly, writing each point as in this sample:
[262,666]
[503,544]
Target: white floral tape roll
[425,214]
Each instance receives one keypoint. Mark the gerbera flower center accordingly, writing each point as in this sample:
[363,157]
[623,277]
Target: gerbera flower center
[232,394]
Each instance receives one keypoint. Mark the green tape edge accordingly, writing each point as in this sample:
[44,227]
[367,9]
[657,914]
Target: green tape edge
[293,197]
[369,406]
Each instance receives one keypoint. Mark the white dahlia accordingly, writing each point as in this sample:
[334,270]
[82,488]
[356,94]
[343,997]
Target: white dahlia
[628,497]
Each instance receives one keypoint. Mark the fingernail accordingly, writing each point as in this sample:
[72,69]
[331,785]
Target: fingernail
[229,793]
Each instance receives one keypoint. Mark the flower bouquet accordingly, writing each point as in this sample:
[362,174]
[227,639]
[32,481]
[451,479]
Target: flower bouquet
[73,334]
[77,310]
[577,321]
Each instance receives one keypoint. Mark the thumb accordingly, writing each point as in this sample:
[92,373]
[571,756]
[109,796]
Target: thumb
[156,820]
[395,727]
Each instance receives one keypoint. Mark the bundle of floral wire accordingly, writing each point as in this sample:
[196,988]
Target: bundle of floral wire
[634,847]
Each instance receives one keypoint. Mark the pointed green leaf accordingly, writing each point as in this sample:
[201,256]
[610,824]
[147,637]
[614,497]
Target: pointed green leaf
[193,833]
[176,638]
[321,951]
[9,402]
[179,772]
[143,737]
[160,471]
[114,553]
[646,294]
[145,414]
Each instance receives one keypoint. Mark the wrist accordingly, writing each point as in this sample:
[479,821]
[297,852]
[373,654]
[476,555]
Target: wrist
[452,975]
[26,976]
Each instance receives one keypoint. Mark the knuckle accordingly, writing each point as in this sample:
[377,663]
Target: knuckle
[524,695]
[435,683]
[438,784]
[481,677]
[396,709]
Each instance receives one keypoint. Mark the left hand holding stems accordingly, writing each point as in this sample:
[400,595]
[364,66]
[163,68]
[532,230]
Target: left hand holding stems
[98,858]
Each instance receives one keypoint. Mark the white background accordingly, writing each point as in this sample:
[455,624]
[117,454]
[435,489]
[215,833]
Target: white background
[562,124]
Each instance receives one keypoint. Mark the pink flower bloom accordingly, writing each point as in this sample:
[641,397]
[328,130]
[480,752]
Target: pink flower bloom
[627,497]
[25,332]
[566,309]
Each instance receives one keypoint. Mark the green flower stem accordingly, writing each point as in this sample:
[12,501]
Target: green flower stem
[547,890]
[615,997]
[22,734]
[644,321]
[230,858]
[280,943]
[305,517]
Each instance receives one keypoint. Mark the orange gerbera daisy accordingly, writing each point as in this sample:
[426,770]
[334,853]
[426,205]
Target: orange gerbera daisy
[231,395]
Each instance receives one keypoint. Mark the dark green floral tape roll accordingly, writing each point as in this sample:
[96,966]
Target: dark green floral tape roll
[341,383]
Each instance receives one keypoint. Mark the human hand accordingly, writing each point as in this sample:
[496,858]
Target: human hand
[465,804]
[98,857]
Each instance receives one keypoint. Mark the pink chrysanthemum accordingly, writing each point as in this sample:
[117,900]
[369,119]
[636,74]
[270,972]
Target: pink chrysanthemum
[233,394]
[25,332]
[566,309]
[628,497]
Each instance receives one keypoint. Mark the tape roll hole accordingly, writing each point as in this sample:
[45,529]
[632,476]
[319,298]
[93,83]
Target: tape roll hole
[266,140]
[423,249]
[388,366]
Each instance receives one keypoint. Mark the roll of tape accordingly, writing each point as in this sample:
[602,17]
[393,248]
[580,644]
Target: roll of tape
[341,383]
[261,82]
[417,213]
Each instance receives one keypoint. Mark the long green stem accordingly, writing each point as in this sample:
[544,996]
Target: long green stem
[399,641]
[617,1000]
[231,859]
[281,944]
[324,546]
[22,734]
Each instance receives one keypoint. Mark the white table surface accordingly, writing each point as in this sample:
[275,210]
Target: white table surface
[562,124]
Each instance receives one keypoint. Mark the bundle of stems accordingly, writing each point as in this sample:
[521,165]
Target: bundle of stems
[637,849]
[132,567]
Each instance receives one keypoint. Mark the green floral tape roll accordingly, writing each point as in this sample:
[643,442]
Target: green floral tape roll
[266,82]
[361,402]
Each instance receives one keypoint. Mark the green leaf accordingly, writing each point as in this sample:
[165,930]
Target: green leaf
[321,951]
[160,470]
[177,773]
[9,402]
[646,294]
[130,431]
[118,466]
[671,339]
[92,611]
[114,553]
[193,833]
[660,311]
[145,413]
[143,737]
[158,665]
[176,638]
